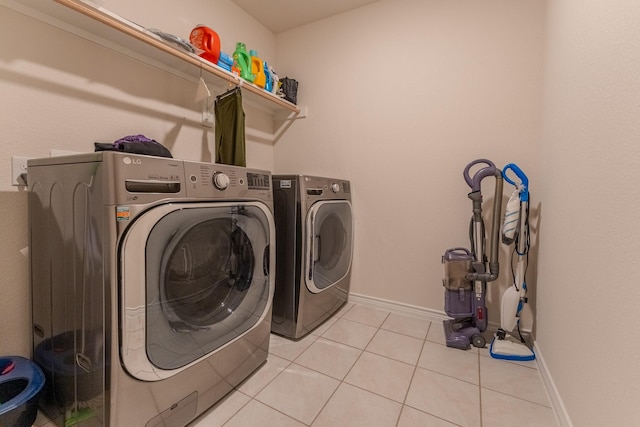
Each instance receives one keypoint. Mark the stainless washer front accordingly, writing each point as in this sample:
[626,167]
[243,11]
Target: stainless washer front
[152,284]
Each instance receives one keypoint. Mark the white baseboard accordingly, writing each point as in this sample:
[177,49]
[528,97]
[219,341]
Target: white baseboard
[556,401]
[437,316]
[411,310]
[398,308]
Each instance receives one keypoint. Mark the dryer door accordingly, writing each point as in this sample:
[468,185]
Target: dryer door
[329,245]
[194,277]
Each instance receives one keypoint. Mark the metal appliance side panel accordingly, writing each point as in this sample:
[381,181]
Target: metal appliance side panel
[67,244]
[312,309]
[286,200]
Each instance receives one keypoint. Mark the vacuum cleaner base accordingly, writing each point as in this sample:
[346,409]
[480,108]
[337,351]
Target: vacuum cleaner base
[460,333]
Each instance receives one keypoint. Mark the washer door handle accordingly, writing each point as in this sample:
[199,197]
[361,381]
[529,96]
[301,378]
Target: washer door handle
[316,248]
[265,261]
[313,253]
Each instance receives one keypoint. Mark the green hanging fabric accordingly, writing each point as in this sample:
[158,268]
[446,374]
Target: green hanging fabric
[230,138]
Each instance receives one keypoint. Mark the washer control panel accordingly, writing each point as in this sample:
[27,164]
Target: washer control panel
[206,180]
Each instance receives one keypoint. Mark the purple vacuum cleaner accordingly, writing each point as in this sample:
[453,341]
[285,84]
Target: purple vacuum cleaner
[465,270]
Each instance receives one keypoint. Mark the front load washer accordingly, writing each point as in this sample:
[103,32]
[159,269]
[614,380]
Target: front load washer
[152,283]
[314,231]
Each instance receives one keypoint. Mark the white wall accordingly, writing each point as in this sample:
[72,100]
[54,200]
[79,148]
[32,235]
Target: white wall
[61,91]
[589,299]
[402,95]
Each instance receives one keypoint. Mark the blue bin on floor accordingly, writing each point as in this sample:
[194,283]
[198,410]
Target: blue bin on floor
[21,384]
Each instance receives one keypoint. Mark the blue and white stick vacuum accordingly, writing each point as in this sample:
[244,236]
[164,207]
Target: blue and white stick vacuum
[515,229]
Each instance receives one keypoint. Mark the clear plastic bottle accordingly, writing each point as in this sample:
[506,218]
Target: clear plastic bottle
[276,81]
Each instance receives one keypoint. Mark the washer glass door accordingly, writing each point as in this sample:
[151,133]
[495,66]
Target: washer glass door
[329,244]
[205,269]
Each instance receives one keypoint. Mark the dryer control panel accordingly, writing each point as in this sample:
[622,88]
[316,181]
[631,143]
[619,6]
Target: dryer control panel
[320,188]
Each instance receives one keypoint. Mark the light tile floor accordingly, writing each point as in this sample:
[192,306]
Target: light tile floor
[368,367]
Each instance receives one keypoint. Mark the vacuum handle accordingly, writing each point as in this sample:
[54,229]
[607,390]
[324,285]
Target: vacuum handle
[524,181]
[474,182]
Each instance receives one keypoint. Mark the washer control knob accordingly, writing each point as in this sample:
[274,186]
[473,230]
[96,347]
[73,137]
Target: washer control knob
[335,187]
[220,180]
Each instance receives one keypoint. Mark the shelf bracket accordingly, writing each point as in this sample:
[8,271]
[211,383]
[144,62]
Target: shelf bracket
[204,94]
[289,116]
[208,117]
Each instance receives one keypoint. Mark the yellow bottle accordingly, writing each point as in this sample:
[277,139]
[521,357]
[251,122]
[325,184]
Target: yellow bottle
[257,69]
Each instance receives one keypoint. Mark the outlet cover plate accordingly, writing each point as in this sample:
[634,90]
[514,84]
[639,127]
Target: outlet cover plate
[18,167]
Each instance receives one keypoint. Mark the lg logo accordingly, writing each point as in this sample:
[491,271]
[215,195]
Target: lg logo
[130,161]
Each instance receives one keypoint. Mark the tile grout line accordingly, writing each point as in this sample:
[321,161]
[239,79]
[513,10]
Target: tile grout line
[480,389]
[342,381]
[291,362]
[237,390]
[275,409]
[415,365]
[332,393]
[413,374]
[516,397]
[404,403]
[362,351]
[345,375]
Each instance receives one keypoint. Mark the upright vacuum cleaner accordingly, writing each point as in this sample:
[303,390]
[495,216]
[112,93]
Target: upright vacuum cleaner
[465,270]
[515,229]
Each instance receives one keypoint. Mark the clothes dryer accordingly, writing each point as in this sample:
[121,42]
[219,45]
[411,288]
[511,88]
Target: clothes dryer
[152,284]
[314,231]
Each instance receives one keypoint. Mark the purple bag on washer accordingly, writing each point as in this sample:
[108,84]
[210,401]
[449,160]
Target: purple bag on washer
[135,144]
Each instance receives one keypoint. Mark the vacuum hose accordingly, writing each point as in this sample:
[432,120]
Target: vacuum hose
[494,266]
[476,197]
